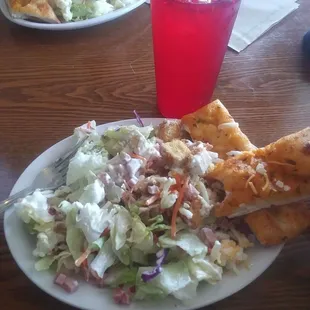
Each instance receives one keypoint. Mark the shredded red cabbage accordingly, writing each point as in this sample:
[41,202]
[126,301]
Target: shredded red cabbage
[149,275]
[138,118]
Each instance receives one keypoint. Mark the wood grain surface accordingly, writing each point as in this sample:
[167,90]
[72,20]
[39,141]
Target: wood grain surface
[50,82]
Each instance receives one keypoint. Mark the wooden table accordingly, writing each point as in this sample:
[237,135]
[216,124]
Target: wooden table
[52,82]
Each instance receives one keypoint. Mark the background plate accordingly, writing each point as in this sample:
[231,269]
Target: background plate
[71,25]
[21,245]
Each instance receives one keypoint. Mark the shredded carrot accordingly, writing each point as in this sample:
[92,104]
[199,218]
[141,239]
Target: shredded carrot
[249,180]
[106,232]
[82,260]
[178,178]
[177,207]
[85,270]
[152,199]
[133,155]
[85,263]
[281,164]
[267,182]
[253,188]
[174,187]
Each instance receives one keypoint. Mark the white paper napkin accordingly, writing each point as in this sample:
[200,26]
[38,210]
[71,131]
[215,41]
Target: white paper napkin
[255,17]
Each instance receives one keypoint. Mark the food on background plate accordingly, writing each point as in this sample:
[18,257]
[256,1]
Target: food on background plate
[135,216]
[37,9]
[213,124]
[60,11]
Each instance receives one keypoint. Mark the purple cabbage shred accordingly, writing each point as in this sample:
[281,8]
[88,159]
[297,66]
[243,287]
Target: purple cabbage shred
[149,275]
[138,118]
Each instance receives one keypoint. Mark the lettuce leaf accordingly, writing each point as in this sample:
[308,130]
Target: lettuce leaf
[188,292]
[104,259]
[34,207]
[141,236]
[93,220]
[124,254]
[189,242]
[138,256]
[120,226]
[173,278]
[118,275]
[157,223]
[202,269]
[46,262]
[74,237]
[115,140]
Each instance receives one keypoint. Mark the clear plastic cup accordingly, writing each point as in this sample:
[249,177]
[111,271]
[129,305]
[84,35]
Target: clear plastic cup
[190,39]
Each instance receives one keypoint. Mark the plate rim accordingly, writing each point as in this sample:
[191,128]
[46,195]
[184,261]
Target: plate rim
[230,292]
[70,25]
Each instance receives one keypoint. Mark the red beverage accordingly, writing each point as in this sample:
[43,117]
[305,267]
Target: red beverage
[190,38]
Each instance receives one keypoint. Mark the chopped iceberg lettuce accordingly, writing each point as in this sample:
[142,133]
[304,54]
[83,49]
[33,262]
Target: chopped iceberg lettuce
[118,275]
[172,278]
[93,193]
[46,242]
[74,237]
[82,10]
[66,206]
[34,207]
[189,242]
[104,259]
[203,269]
[42,227]
[157,223]
[138,256]
[91,156]
[121,224]
[130,139]
[93,220]
[188,292]
[123,133]
[114,192]
[46,262]
[123,254]
[118,4]
[141,237]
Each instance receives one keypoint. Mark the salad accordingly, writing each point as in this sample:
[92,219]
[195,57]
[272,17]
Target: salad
[135,216]
[75,10]
[62,11]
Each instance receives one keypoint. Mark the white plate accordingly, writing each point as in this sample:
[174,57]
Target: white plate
[70,25]
[21,245]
